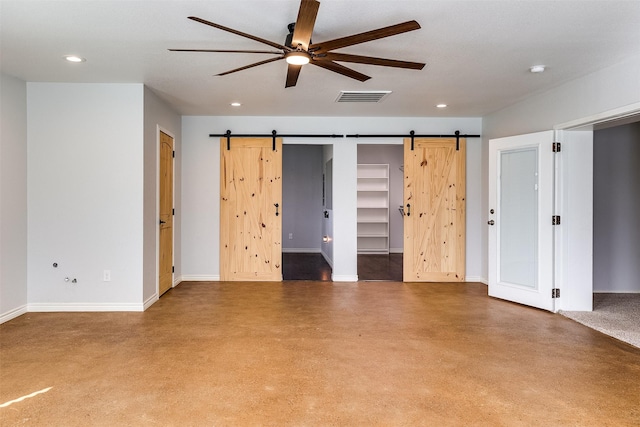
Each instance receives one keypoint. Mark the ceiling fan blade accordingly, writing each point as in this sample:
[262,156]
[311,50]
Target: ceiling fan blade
[364,37]
[305,22]
[341,69]
[272,52]
[266,61]
[293,71]
[240,33]
[343,57]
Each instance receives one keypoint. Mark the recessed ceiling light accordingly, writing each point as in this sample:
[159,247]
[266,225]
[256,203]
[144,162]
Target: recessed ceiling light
[74,58]
[441,106]
[537,69]
[235,104]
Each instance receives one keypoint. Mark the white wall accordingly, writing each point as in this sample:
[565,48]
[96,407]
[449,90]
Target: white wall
[201,181]
[301,198]
[345,211]
[200,220]
[158,116]
[13,197]
[85,196]
[604,90]
[616,213]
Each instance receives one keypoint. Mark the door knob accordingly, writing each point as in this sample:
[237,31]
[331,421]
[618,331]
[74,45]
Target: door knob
[491,222]
[162,222]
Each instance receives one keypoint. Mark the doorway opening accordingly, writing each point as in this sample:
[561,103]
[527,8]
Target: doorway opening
[380,212]
[616,208]
[587,182]
[306,199]
[616,234]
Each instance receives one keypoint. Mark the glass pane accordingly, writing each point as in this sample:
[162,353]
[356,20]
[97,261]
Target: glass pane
[518,217]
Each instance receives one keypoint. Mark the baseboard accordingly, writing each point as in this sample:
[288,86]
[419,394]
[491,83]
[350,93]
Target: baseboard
[12,314]
[476,279]
[200,278]
[301,250]
[396,250]
[150,301]
[69,307]
[344,277]
[631,291]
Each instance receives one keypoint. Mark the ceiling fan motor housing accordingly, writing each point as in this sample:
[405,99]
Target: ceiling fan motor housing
[289,40]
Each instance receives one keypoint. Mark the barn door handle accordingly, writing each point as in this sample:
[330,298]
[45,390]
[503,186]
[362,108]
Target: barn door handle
[277,206]
[408,209]
[162,222]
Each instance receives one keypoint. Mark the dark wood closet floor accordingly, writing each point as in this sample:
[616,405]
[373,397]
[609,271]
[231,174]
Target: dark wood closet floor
[380,267]
[313,266]
[307,266]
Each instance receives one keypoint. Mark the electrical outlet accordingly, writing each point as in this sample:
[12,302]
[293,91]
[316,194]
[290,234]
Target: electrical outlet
[106,276]
[290,236]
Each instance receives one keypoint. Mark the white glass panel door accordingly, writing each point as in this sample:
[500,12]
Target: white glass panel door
[521,191]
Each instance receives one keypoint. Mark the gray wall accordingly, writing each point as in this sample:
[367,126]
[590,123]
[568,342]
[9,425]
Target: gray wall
[13,197]
[302,197]
[394,156]
[201,182]
[85,196]
[158,115]
[616,210]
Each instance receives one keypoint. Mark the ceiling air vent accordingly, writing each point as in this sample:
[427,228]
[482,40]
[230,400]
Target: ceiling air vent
[362,95]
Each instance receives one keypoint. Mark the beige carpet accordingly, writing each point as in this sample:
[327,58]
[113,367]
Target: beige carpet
[617,315]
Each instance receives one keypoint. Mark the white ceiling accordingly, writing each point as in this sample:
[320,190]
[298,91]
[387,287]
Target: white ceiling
[478,53]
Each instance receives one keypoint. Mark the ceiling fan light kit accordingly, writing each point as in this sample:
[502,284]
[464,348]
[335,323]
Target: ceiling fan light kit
[298,49]
[297,57]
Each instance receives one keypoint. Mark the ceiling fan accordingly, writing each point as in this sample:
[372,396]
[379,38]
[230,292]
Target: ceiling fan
[298,49]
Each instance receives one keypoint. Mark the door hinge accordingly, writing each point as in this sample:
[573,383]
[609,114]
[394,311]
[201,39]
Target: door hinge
[173,269]
[173,154]
[555,293]
[173,211]
[555,220]
[557,147]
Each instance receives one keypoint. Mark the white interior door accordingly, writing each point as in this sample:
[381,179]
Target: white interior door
[521,201]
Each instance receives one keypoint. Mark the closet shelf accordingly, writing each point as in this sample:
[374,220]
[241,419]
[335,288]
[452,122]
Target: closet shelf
[373,208]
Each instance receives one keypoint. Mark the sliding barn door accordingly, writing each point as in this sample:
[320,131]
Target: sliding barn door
[250,209]
[434,207]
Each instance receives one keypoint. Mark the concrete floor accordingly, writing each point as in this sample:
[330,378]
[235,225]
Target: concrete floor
[317,353]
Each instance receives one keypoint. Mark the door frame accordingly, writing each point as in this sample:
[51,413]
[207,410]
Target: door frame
[157,209]
[574,272]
